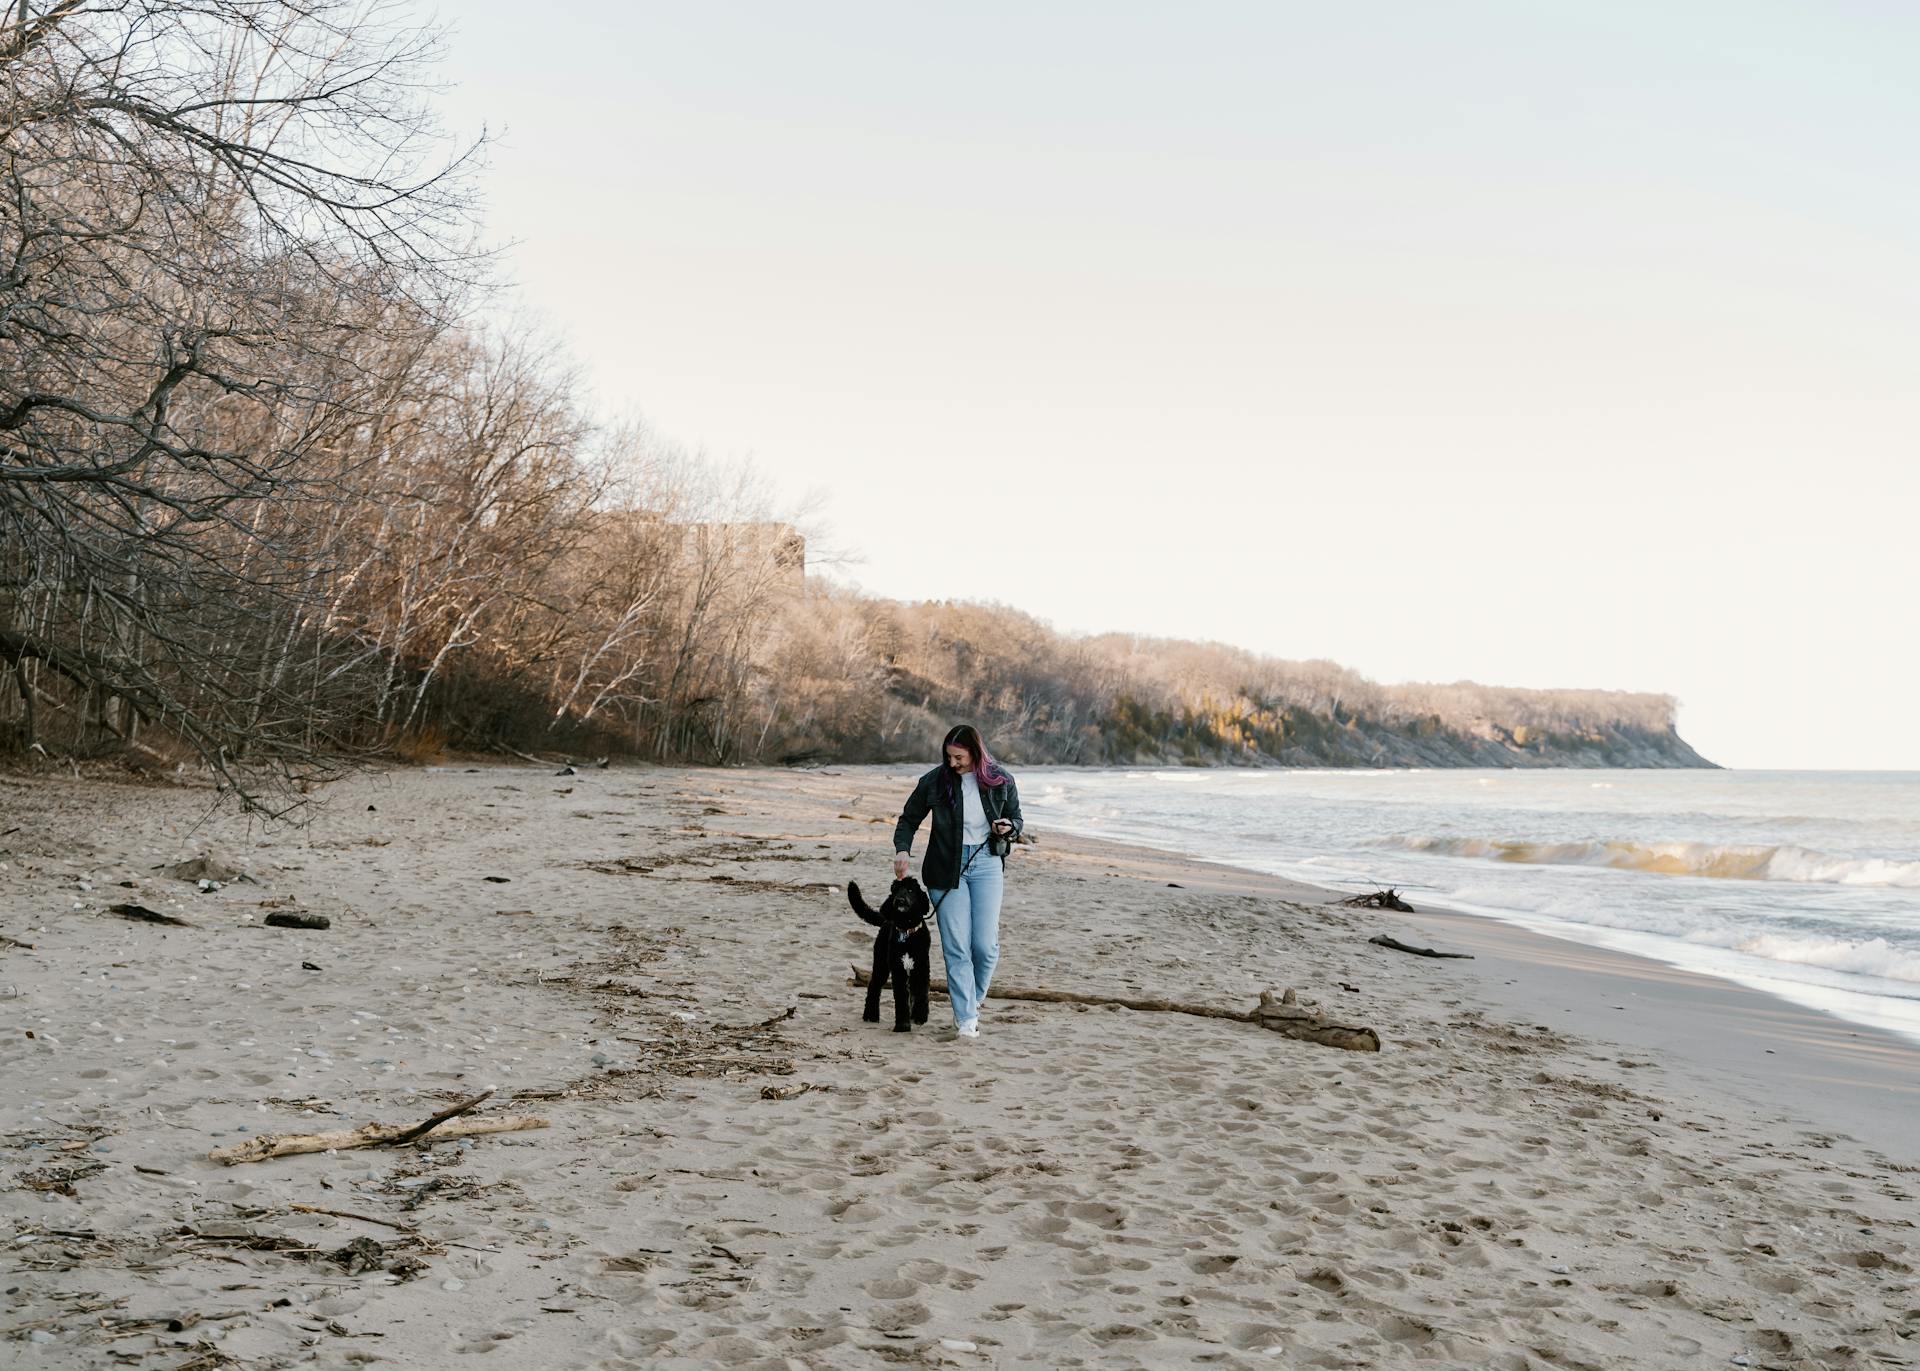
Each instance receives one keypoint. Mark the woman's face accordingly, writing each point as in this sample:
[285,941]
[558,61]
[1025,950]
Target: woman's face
[959,758]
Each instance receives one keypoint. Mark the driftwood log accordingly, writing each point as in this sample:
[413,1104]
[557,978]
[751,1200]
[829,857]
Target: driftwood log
[376,1134]
[1384,941]
[139,913]
[1282,1013]
[294,918]
[1380,899]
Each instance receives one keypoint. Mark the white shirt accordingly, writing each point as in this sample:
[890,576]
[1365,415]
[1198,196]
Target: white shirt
[973,824]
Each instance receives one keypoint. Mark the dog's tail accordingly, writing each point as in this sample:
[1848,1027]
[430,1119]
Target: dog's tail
[860,906]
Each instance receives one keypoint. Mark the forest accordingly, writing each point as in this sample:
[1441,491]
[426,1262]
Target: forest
[281,494]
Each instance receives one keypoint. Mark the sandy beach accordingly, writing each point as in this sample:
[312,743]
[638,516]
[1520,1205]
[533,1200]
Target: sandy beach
[1560,1158]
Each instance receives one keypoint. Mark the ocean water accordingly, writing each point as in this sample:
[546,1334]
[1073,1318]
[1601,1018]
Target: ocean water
[1803,884]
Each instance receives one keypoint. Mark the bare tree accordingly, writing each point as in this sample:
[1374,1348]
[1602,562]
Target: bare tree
[211,214]
[611,596]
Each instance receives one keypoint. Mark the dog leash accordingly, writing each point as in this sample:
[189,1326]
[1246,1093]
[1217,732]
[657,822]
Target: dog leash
[977,850]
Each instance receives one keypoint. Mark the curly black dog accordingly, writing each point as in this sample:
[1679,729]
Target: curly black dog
[900,951]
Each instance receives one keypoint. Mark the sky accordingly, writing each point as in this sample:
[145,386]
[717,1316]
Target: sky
[1534,343]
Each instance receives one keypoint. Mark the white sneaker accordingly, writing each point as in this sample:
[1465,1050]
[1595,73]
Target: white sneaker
[969,1029]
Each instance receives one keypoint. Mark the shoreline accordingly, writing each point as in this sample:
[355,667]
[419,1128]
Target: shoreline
[1856,1079]
[1771,1054]
[736,1170]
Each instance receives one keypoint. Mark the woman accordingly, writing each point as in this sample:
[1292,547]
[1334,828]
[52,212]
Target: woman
[970,796]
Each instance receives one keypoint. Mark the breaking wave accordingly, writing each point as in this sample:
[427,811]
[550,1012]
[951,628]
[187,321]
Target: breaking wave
[1718,861]
[1874,957]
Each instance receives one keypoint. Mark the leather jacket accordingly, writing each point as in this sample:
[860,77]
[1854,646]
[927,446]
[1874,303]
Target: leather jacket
[941,868]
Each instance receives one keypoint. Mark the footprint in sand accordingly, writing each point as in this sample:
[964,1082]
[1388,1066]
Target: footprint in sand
[934,1273]
[729,1349]
[1327,1279]
[1049,1229]
[481,1340]
[856,1210]
[900,1318]
[1403,1329]
[1121,1332]
[893,1288]
[1254,1337]
[1662,1290]
[1873,1261]
[1099,1215]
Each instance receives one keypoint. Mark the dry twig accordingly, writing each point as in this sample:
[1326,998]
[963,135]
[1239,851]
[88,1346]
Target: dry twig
[375,1135]
[1382,940]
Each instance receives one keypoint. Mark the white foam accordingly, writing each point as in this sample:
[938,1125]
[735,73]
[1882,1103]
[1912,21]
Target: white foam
[1874,957]
[1799,864]
[1719,861]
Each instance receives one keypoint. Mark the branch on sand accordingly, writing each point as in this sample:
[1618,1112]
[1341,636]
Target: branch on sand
[1380,899]
[1282,1013]
[139,913]
[377,1134]
[1383,940]
[350,1214]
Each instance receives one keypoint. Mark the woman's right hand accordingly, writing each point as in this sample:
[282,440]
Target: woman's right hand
[900,863]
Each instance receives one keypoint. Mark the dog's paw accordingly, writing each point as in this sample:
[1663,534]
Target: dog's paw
[903,1028]
[874,1017]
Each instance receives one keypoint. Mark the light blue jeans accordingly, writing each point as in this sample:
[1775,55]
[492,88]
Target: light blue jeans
[969,918]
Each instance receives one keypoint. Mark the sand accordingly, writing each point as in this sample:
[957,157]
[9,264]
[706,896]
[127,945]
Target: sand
[1524,1176]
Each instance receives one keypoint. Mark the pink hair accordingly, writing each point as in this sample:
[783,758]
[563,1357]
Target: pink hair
[987,771]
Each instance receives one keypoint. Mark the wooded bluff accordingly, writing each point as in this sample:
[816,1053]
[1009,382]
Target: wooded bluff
[903,672]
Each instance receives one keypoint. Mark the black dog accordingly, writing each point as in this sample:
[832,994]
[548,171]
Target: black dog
[899,951]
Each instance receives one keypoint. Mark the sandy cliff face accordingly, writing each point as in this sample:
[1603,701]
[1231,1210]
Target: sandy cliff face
[1317,741]
[1375,745]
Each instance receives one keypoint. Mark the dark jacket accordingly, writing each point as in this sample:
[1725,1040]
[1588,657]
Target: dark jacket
[941,869]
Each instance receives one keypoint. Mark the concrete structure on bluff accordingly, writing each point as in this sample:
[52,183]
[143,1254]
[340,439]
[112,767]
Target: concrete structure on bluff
[748,547]
[766,542]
